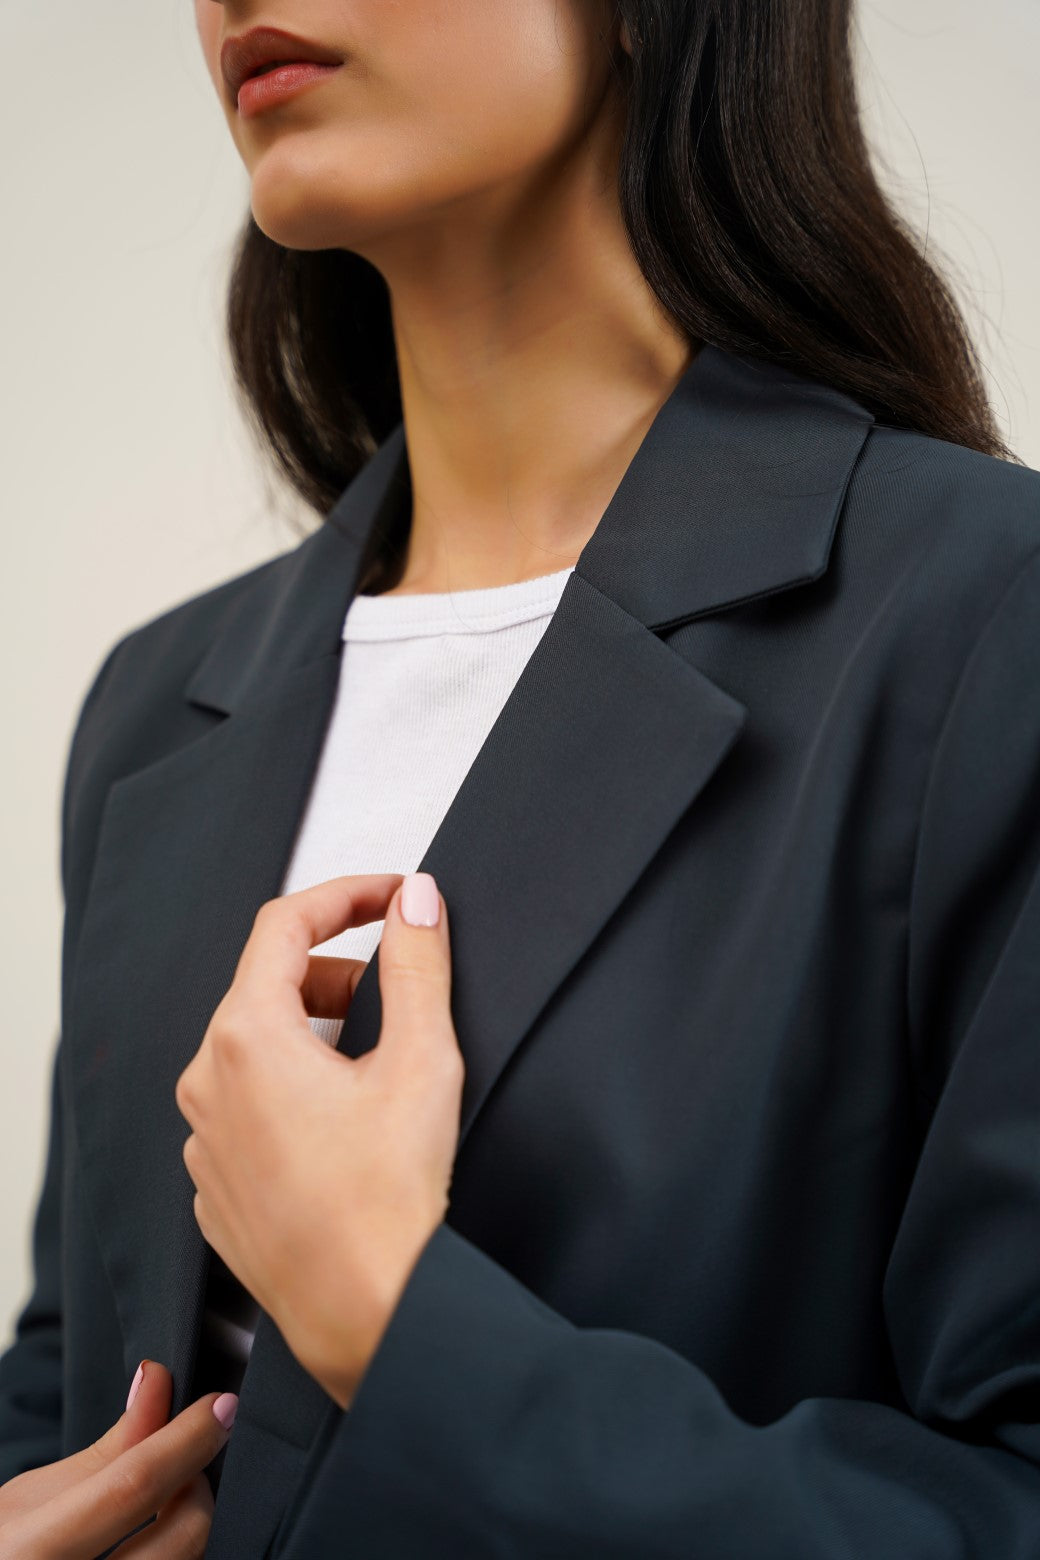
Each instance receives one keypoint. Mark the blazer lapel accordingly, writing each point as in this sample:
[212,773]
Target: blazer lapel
[606,740]
[189,846]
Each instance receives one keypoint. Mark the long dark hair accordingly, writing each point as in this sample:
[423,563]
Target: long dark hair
[754,212]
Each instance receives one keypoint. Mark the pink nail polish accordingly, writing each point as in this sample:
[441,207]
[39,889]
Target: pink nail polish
[136,1384]
[225,1409]
[420,902]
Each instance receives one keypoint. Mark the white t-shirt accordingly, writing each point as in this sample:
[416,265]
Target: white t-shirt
[423,678]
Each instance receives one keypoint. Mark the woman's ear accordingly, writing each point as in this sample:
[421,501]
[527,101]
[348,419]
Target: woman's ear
[625,38]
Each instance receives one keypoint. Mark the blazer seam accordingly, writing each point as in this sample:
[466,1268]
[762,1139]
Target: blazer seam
[926,1094]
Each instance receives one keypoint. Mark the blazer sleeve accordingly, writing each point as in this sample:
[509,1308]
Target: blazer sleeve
[31,1374]
[488,1424]
[31,1367]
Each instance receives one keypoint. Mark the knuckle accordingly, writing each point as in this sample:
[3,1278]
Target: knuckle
[134,1487]
[228,1038]
[231,1012]
[451,1075]
[192,1525]
[436,1065]
[443,1057]
[280,914]
[196,1537]
[454,1063]
[98,1454]
[267,912]
[404,966]
[184,1092]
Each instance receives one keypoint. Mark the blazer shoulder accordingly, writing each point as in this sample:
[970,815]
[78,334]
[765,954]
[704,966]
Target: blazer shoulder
[146,670]
[163,649]
[941,527]
[934,488]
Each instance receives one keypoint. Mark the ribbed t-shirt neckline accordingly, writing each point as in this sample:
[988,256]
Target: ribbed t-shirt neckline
[456,611]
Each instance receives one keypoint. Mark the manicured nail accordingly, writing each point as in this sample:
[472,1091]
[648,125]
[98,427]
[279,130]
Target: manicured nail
[225,1408]
[135,1385]
[420,902]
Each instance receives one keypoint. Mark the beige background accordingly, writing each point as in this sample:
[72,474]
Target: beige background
[128,481]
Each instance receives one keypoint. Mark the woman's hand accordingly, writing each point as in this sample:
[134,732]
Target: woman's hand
[77,1508]
[320,1177]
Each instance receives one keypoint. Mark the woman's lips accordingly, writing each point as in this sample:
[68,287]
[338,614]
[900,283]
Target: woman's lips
[261,92]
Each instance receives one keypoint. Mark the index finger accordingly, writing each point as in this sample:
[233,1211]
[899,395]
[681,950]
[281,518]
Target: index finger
[86,1519]
[287,928]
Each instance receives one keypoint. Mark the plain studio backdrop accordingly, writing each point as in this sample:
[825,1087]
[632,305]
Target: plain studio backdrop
[129,480]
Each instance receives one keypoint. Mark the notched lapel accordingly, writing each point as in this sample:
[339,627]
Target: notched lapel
[606,739]
[609,735]
[189,848]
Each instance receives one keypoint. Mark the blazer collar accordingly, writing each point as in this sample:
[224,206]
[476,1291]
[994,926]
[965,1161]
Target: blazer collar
[734,493]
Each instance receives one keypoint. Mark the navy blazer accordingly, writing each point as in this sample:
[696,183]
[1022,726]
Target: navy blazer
[743,1252]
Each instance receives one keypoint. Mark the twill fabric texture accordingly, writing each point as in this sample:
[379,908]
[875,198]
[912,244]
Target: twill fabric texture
[742,1255]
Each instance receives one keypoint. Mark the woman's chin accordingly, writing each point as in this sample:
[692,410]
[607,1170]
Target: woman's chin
[302,219]
[298,224]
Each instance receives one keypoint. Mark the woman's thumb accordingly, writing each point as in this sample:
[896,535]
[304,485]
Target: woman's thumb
[415,963]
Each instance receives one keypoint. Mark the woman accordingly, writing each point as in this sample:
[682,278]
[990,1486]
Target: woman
[685,1199]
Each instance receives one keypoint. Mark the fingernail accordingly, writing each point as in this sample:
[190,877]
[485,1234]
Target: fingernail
[420,902]
[225,1408]
[135,1385]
